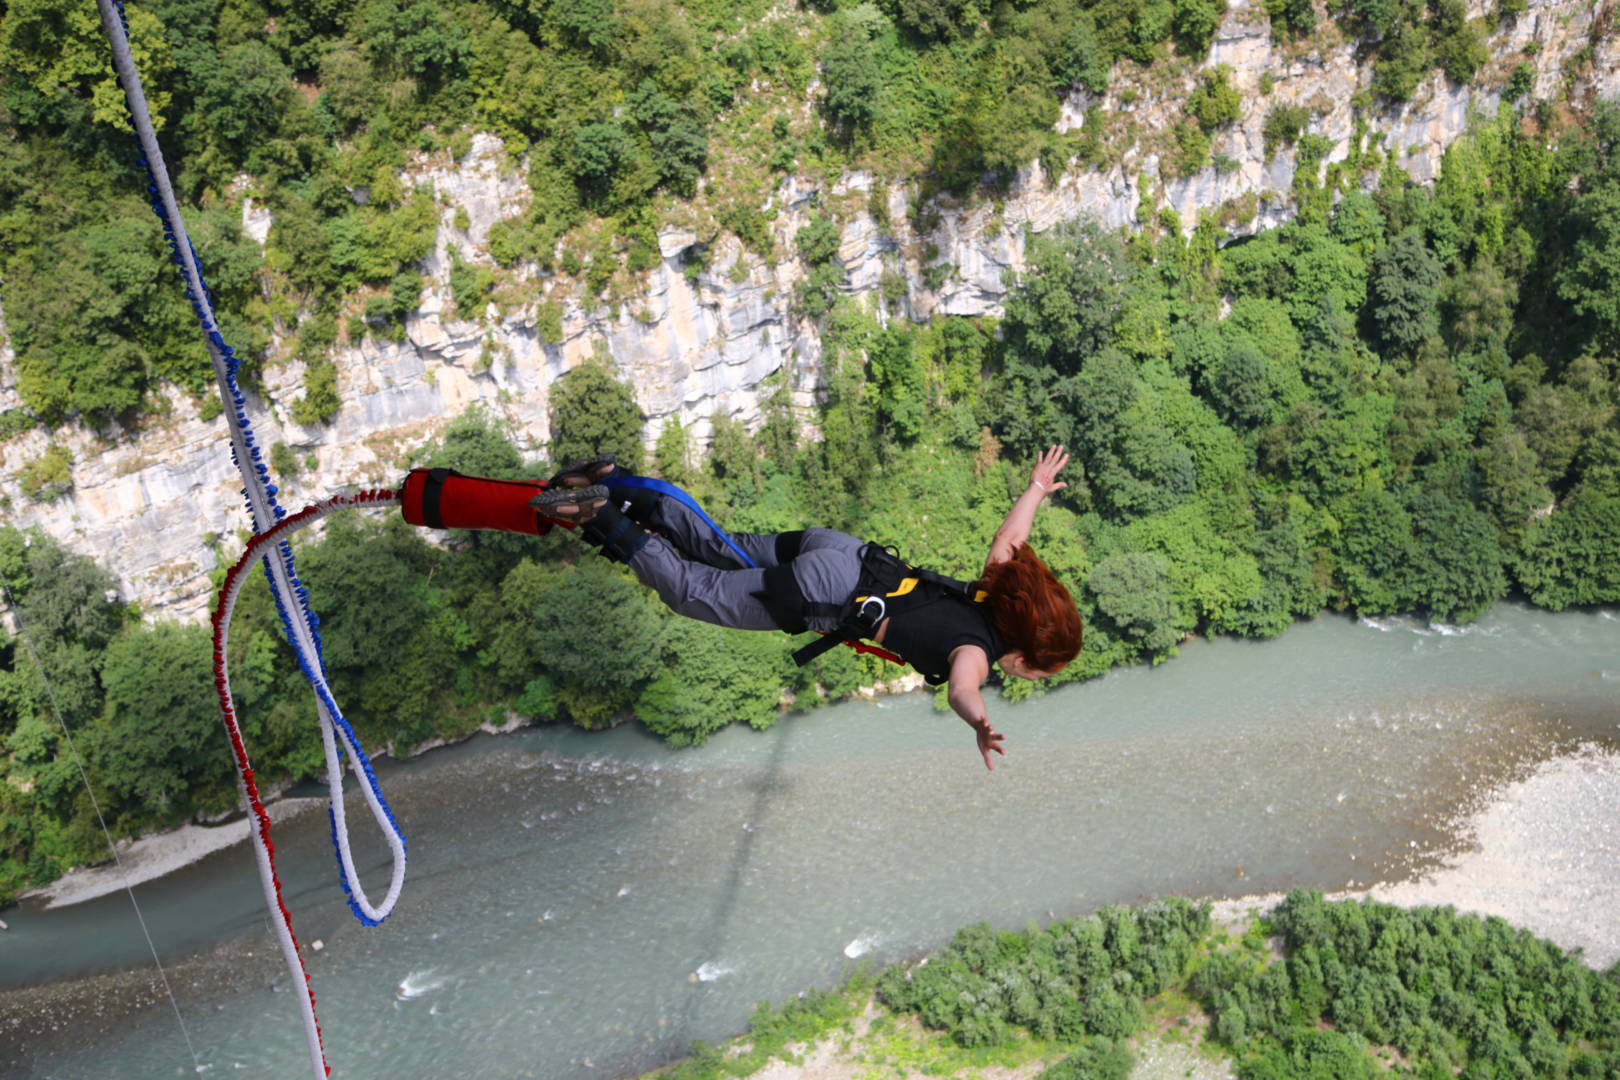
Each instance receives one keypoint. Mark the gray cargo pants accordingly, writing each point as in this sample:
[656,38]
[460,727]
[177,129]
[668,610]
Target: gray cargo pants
[697,575]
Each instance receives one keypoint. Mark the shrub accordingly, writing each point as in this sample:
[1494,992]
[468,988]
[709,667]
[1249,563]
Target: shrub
[1215,102]
[1283,125]
[49,476]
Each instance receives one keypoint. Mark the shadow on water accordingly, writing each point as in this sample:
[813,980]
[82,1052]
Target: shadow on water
[765,786]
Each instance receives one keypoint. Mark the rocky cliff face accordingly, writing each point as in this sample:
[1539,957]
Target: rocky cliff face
[155,505]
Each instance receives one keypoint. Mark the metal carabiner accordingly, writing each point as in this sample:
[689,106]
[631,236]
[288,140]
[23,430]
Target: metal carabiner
[882,612]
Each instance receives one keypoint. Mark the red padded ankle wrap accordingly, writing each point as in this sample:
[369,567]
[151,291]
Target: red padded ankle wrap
[445,499]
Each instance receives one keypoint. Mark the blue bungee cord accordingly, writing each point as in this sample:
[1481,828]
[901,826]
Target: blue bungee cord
[300,622]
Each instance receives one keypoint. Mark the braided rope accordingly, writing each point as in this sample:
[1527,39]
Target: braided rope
[291,598]
[263,849]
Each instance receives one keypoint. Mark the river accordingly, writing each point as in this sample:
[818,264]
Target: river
[584,905]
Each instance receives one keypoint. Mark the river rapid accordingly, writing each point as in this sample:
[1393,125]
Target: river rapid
[584,905]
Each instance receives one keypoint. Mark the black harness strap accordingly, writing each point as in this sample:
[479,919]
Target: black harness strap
[882,572]
[788,545]
[432,492]
[824,644]
[783,598]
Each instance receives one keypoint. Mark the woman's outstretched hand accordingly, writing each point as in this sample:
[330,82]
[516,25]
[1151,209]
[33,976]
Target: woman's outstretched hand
[1044,475]
[989,739]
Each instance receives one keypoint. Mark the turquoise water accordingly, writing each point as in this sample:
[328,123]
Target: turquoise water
[585,905]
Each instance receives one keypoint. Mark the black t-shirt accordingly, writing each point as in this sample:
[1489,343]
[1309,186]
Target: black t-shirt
[931,621]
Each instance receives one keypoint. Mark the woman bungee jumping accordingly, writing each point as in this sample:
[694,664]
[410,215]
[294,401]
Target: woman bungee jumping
[1018,614]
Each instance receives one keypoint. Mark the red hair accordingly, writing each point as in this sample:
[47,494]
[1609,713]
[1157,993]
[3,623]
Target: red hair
[1032,610]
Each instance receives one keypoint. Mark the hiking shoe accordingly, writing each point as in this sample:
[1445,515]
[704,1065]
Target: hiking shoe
[585,472]
[571,503]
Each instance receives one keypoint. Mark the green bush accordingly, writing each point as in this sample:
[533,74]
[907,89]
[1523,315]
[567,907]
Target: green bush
[470,285]
[1283,126]
[320,403]
[817,243]
[49,476]
[1215,102]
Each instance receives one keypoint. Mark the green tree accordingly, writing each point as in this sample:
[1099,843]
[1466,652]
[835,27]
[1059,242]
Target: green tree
[1477,305]
[349,91]
[1082,61]
[1240,386]
[817,244]
[734,455]
[897,379]
[680,144]
[592,413]
[1405,56]
[600,152]
[556,622]
[1195,23]
[1572,556]
[1590,278]
[1558,418]
[710,677]
[853,78]
[1459,44]
[1374,554]
[360,578]
[420,37]
[1065,304]
[1291,18]
[243,94]
[672,454]
[1513,480]
[56,49]
[1458,569]
[1215,101]
[159,751]
[592,23]
[1133,590]
[1404,290]
[937,20]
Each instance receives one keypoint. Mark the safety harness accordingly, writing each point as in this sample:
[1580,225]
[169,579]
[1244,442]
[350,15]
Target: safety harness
[886,582]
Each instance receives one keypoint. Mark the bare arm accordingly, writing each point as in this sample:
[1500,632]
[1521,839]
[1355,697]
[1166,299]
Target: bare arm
[969,668]
[1015,527]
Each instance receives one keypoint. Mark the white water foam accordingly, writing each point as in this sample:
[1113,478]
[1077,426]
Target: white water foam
[1393,625]
[712,970]
[862,945]
[418,983]
[1451,630]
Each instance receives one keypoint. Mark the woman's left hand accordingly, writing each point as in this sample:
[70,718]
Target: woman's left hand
[1044,475]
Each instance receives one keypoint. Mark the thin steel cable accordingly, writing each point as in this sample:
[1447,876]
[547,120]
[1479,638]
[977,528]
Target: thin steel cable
[50,692]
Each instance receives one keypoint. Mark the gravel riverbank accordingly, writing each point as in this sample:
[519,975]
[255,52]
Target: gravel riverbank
[1542,852]
[151,857]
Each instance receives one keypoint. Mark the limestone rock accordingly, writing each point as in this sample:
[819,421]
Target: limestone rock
[160,506]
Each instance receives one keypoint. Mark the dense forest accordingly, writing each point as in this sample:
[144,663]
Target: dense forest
[1404,400]
[625,113]
[1316,990]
